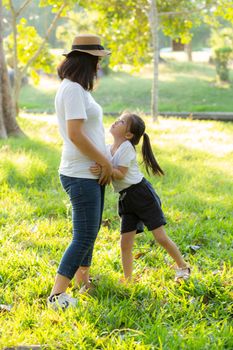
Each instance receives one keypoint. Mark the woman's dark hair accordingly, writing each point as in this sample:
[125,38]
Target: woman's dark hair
[79,67]
[137,128]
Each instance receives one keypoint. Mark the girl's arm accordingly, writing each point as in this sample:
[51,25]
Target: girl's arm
[82,142]
[117,173]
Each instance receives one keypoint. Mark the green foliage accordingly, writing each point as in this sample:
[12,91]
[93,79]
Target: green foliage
[77,22]
[179,26]
[155,312]
[222,43]
[224,9]
[6,4]
[222,37]
[28,43]
[222,57]
[56,4]
[125,25]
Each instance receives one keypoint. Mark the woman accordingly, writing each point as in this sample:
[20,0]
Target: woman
[80,125]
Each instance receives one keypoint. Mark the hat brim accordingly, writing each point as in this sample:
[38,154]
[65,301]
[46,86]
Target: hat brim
[99,53]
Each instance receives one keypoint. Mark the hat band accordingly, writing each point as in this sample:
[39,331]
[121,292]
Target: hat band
[87,47]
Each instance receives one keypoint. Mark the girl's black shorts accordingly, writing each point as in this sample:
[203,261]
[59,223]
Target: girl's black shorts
[139,204]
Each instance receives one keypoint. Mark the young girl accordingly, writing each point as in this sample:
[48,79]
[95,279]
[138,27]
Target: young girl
[138,202]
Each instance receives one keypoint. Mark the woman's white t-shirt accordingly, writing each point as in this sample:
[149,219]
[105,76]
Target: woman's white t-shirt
[73,102]
[125,156]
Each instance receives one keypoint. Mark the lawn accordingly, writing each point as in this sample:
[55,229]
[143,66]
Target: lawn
[184,87]
[154,313]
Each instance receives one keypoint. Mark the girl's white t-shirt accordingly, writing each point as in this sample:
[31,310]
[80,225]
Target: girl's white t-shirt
[73,102]
[125,156]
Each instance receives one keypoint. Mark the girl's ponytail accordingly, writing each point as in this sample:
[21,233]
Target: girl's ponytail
[149,158]
[136,126]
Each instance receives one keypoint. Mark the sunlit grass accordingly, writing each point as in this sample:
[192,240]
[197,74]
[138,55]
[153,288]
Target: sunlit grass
[155,312]
[183,87]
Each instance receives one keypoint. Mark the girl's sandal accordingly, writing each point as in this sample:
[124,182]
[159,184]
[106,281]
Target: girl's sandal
[124,281]
[87,288]
[182,274]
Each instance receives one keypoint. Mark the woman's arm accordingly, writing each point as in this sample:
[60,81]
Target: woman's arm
[82,142]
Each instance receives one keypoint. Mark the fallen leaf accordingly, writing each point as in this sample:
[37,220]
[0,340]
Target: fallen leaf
[106,223]
[138,255]
[194,248]
[5,308]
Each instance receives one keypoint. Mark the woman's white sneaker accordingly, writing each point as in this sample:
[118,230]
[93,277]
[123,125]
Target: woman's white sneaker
[61,301]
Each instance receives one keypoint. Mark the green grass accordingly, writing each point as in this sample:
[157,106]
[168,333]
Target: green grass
[184,87]
[154,313]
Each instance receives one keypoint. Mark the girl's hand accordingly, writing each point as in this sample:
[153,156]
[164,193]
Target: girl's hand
[106,173]
[95,169]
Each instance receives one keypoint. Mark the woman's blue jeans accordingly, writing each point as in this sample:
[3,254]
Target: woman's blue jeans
[87,200]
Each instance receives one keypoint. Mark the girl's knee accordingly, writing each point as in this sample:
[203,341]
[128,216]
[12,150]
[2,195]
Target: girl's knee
[161,237]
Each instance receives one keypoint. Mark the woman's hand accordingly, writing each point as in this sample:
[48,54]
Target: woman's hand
[106,173]
[77,135]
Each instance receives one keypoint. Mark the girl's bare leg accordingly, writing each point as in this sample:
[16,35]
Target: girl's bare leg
[162,238]
[127,240]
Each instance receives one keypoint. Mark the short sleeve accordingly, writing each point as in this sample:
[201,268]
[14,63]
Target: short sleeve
[74,103]
[126,155]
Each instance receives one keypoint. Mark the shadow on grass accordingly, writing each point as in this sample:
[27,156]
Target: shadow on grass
[45,178]
[34,177]
[37,151]
[117,311]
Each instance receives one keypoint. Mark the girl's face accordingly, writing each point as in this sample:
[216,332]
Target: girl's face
[120,127]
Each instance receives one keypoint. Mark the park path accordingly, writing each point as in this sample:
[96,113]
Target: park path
[48,118]
[220,116]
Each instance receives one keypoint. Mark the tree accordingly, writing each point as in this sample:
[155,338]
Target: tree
[8,124]
[131,30]
[130,27]
[29,50]
[154,23]
[33,48]
[222,44]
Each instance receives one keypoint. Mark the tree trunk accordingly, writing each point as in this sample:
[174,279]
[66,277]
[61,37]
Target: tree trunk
[3,134]
[154,24]
[9,114]
[188,49]
[16,84]
[8,124]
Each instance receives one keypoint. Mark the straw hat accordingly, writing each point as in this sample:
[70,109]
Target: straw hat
[88,43]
